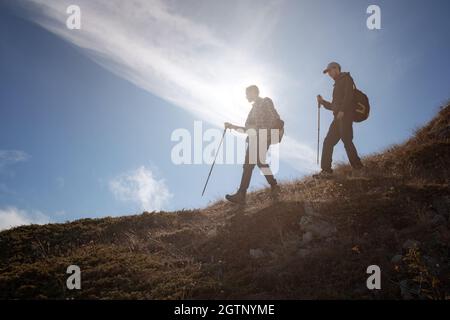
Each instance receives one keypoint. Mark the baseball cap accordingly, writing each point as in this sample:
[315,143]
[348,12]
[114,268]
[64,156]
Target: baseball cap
[332,65]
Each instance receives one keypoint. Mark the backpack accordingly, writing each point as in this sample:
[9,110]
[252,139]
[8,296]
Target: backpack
[277,122]
[280,126]
[362,106]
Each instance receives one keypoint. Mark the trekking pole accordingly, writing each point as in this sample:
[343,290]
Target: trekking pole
[318,130]
[214,162]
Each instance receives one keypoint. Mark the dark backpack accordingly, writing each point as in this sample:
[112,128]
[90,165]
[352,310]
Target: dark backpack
[362,106]
[275,121]
[280,126]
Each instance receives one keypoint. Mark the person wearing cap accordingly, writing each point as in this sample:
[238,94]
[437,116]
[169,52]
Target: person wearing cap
[342,126]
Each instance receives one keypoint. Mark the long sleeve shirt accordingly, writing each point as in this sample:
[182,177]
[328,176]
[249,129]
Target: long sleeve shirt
[262,115]
[343,91]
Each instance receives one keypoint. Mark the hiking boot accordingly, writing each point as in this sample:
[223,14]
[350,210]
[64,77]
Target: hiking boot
[324,174]
[238,197]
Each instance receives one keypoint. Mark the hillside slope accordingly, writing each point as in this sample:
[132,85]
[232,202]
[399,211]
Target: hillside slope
[316,242]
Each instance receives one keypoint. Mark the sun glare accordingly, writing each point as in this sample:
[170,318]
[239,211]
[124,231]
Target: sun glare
[228,95]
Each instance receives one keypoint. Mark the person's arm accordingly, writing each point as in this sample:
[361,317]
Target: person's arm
[233,127]
[251,122]
[328,105]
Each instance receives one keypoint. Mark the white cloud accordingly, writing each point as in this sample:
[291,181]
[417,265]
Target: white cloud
[140,186]
[165,48]
[300,156]
[12,217]
[9,157]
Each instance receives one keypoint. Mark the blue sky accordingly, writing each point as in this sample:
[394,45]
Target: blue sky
[86,116]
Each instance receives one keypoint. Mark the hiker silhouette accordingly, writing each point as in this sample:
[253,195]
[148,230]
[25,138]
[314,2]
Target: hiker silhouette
[341,128]
[261,122]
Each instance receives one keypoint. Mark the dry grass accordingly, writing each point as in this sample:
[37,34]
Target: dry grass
[353,222]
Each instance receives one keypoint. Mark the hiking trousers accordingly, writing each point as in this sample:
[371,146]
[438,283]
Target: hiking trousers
[340,130]
[249,165]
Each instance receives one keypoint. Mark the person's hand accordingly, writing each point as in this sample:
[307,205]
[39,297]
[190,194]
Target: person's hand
[340,115]
[228,125]
[319,99]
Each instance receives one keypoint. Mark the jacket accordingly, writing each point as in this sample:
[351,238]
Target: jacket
[344,87]
[262,115]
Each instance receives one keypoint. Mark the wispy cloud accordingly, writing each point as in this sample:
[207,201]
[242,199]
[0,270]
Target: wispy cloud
[201,66]
[13,217]
[9,157]
[141,187]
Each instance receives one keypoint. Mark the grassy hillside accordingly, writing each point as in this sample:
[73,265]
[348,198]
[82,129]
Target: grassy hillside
[316,242]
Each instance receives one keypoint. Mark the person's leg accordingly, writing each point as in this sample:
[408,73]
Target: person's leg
[346,128]
[265,169]
[246,177]
[263,148]
[240,195]
[267,172]
[332,138]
